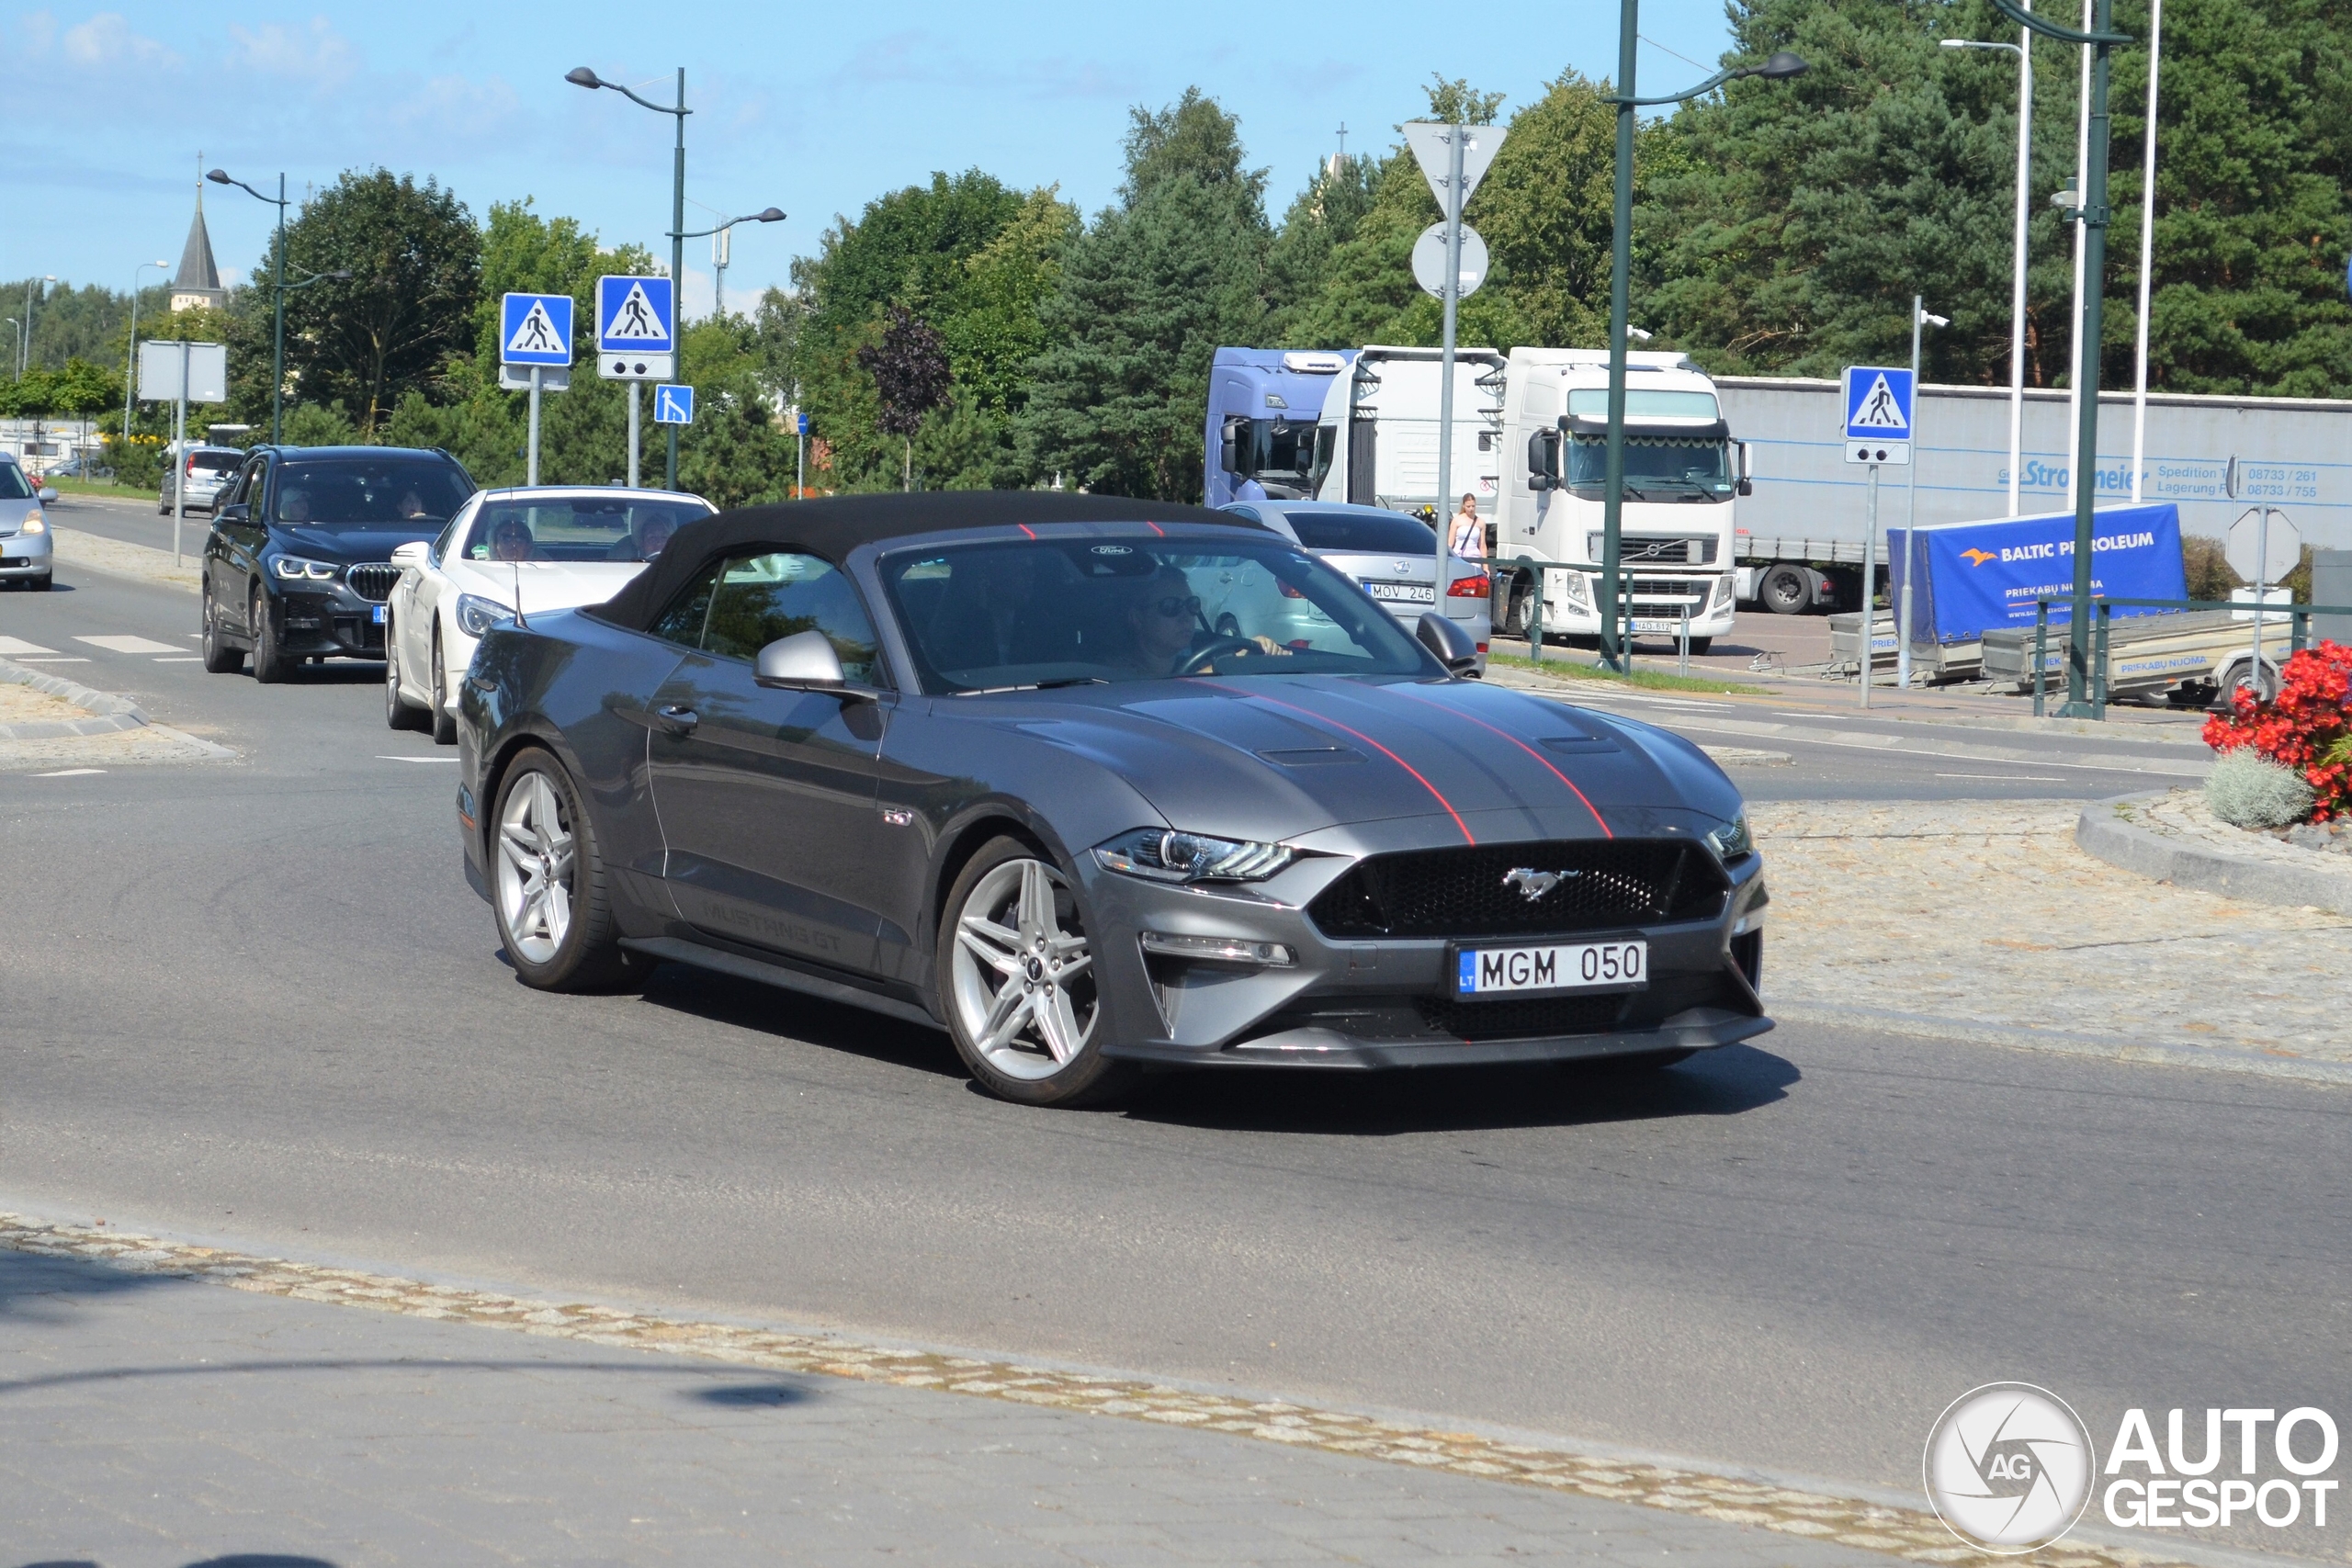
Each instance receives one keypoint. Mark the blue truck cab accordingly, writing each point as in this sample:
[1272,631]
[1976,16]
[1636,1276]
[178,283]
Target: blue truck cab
[1265,407]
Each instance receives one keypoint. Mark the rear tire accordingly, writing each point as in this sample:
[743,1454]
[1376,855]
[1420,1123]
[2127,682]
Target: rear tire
[445,722]
[1786,591]
[1016,981]
[270,665]
[548,887]
[219,659]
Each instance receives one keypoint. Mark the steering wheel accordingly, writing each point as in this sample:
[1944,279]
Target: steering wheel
[1202,658]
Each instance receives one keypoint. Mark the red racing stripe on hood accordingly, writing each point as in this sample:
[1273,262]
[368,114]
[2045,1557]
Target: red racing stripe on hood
[1523,746]
[1435,794]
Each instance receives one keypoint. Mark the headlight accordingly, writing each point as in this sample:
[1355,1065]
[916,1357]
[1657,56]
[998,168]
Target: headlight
[1731,840]
[1163,856]
[35,524]
[1579,591]
[294,569]
[477,614]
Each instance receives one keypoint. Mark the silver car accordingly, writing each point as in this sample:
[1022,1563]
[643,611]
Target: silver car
[209,470]
[1390,556]
[24,528]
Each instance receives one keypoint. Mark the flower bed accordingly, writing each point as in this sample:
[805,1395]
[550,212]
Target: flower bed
[2307,728]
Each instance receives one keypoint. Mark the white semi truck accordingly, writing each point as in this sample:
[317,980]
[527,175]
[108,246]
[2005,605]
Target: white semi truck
[1377,442]
[1683,475]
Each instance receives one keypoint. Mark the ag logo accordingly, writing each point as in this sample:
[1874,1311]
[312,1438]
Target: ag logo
[1977,558]
[2008,1468]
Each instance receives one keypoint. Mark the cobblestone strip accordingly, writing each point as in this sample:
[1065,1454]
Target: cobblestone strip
[1907,1533]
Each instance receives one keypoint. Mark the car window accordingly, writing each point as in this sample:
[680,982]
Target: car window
[739,605]
[576,529]
[1361,534]
[417,492]
[223,462]
[449,538]
[12,483]
[987,616]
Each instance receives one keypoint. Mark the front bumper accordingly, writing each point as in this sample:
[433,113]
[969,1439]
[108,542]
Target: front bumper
[330,620]
[1656,604]
[1387,1003]
[25,555]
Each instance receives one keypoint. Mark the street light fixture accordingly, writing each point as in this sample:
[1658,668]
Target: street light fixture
[2092,212]
[278,291]
[130,370]
[581,76]
[1779,67]
[2023,50]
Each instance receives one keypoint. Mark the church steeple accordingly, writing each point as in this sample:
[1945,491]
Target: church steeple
[198,282]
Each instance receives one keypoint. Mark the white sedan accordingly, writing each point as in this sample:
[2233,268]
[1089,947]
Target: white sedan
[551,547]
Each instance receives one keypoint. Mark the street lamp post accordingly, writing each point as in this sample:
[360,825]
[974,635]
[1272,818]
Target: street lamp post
[2023,50]
[2091,211]
[1779,67]
[277,288]
[25,339]
[581,76]
[130,371]
[1920,317]
[2147,250]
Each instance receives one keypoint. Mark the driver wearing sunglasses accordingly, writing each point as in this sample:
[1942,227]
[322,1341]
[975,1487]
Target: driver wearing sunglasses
[1168,629]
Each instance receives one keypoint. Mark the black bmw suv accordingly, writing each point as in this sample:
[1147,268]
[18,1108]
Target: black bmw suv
[298,563]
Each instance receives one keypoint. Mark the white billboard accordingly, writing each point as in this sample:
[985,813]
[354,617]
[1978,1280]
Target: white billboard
[161,364]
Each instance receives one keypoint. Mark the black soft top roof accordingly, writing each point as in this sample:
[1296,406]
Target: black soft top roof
[834,527]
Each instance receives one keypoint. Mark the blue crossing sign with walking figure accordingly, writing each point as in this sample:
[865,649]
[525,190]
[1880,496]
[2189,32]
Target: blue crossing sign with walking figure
[673,404]
[1878,408]
[636,328]
[535,328]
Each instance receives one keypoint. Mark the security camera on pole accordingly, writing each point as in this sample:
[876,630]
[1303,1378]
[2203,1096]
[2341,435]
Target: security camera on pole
[534,355]
[637,339]
[1450,261]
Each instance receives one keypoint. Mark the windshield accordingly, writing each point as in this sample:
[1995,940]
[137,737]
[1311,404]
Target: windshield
[12,483]
[576,529]
[1281,455]
[991,617]
[1661,467]
[214,462]
[418,491]
[1357,533]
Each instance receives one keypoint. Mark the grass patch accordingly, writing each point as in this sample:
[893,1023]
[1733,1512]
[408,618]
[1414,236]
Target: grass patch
[98,487]
[1567,669]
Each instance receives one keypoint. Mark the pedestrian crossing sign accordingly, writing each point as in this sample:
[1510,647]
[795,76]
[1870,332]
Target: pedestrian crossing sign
[634,315]
[535,328]
[1878,404]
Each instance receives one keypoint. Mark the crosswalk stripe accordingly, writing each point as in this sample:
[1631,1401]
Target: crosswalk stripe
[126,644]
[11,645]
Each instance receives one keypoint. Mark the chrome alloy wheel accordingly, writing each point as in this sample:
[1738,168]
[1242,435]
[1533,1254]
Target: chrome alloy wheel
[535,870]
[1023,984]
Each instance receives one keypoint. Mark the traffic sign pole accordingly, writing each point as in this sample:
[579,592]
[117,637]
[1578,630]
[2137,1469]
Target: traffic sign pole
[1869,587]
[632,434]
[1441,579]
[531,464]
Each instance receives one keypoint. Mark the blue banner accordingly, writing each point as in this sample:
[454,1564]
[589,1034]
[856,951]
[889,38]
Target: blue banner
[1974,577]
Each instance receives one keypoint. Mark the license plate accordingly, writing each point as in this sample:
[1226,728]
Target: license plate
[1402,593]
[379,616]
[1619,966]
[1671,628]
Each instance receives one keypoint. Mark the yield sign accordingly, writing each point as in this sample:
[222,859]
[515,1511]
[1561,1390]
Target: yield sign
[1433,146]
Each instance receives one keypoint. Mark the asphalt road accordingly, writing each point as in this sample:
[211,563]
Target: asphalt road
[256,1001]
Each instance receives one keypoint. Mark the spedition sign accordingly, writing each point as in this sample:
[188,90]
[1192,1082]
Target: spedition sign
[1978,576]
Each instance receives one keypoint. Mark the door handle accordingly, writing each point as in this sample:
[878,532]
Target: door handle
[677,720]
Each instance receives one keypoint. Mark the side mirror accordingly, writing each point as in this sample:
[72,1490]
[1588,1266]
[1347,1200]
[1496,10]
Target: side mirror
[1544,459]
[411,554]
[1228,450]
[235,512]
[46,495]
[1455,649]
[1746,473]
[804,661]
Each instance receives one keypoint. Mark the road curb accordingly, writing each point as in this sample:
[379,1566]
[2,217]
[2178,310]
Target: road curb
[2105,831]
[107,712]
[2099,1047]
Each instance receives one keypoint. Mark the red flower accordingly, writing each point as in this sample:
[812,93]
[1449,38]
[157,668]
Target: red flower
[2308,728]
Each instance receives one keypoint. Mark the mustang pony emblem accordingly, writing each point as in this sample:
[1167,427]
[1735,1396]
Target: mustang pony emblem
[1533,884]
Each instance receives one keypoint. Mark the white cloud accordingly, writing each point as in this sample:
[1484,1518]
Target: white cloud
[319,57]
[456,106]
[106,41]
[38,30]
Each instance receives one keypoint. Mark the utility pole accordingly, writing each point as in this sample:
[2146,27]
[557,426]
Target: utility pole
[1911,555]
[130,374]
[677,279]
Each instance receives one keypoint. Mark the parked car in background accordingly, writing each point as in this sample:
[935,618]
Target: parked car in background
[208,470]
[24,528]
[552,548]
[1390,555]
[298,563]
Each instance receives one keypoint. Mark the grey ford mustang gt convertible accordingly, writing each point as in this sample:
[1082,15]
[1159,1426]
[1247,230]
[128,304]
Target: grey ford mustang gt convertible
[1094,782]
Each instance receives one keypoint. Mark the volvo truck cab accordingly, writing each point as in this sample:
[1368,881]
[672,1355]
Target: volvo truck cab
[1264,406]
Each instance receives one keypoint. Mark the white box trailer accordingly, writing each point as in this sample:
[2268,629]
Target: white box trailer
[1800,540]
[1377,442]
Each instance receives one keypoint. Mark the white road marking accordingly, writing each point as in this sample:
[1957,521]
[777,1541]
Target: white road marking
[123,644]
[2008,778]
[63,659]
[14,645]
[381,757]
[181,659]
[70,774]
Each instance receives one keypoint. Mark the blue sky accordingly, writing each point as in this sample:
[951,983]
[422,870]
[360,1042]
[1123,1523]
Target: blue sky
[815,110]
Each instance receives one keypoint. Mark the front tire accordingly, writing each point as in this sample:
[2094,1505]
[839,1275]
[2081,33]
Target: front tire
[269,661]
[445,722]
[1700,645]
[1017,982]
[398,714]
[44,583]
[549,892]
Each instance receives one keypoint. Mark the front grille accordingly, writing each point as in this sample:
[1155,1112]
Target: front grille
[373,582]
[1460,892]
[1632,550]
[1646,587]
